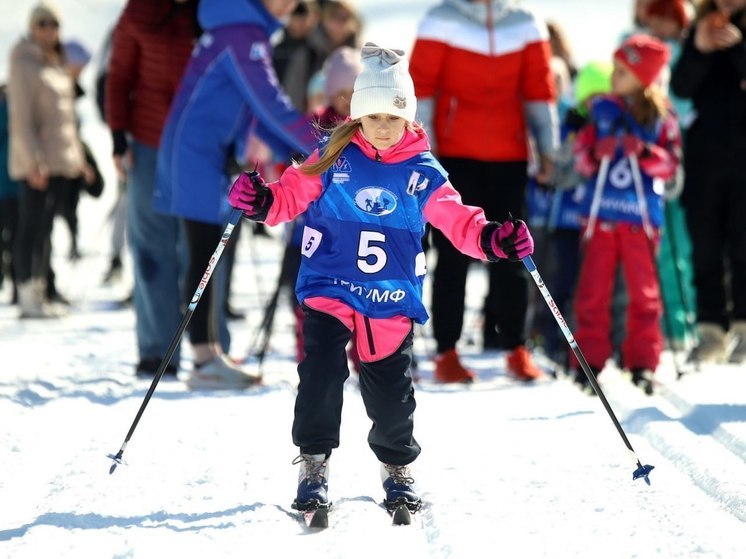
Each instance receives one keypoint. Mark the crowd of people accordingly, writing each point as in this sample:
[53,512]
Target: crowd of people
[484,143]
[626,170]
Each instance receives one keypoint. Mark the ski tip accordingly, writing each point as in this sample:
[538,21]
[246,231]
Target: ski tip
[318,518]
[401,516]
[643,472]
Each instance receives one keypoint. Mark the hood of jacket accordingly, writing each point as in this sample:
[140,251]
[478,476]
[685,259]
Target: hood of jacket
[480,12]
[220,13]
[413,142]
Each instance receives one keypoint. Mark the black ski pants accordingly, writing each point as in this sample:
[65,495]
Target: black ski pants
[714,199]
[385,386]
[498,188]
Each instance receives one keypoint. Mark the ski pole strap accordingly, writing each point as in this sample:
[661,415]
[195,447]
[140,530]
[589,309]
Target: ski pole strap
[634,164]
[603,172]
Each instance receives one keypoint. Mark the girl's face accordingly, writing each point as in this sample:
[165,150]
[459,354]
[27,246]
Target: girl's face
[623,81]
[383,130]
[339,25]
[46,32]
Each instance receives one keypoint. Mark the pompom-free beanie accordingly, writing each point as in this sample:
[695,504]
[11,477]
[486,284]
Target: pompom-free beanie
[645,56]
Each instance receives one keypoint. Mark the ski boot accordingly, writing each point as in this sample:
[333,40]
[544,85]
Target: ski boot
[643,379]
[397,482]
[312,482]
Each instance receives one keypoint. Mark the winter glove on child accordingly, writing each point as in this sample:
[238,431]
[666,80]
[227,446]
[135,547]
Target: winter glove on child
[632,145]
[604,147]
[250,194]
[511,240]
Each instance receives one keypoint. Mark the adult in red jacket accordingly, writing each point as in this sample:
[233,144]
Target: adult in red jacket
[483,84]
[152,43]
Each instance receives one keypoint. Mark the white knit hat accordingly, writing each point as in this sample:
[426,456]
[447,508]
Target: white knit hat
[384,85]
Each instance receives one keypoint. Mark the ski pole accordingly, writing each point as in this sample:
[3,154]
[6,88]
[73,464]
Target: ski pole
[603,172]
[641,471]
[648,228]
[233,220]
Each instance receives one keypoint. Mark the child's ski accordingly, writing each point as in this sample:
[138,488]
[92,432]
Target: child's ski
[317,519]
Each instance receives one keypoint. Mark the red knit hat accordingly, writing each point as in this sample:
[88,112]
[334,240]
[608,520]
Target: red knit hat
[645,56]
[670,9]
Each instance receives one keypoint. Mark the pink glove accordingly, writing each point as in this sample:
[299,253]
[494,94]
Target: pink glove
[605,147]
[512,240]
[250,194]
[632,145]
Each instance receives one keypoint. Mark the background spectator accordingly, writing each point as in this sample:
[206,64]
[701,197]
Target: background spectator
[45,151]
[152,42]
[229,90]
[340,26]
[8,204]
[484,82]
[294,58]
[712,73]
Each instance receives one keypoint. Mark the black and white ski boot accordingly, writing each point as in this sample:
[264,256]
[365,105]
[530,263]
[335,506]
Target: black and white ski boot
[312,498]
[401,499]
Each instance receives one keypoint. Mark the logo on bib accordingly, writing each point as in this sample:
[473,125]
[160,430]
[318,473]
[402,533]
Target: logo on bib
[375,201]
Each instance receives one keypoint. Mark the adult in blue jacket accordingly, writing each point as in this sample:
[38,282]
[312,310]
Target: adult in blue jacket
[229,87]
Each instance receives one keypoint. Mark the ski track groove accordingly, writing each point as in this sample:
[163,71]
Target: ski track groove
[679,444]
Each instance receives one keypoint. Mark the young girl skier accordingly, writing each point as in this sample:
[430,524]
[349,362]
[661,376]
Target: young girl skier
[630,147]
[368,192]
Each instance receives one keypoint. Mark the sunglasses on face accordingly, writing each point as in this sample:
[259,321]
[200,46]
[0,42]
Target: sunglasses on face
[44,23]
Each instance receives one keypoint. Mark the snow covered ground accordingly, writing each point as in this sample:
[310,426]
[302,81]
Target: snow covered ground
[507,469]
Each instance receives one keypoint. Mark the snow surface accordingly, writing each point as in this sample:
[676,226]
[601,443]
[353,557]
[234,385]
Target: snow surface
[507,469]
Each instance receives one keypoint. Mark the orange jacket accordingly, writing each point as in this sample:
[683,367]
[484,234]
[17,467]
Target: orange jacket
[482,75]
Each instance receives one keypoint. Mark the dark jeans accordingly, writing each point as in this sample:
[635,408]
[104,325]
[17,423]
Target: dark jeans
[385,386]
[498,188]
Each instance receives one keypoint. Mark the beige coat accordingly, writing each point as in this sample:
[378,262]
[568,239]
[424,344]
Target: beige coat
[41,110]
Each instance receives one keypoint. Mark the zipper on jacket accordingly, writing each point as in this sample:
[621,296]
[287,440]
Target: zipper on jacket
[378,156]
[369,334]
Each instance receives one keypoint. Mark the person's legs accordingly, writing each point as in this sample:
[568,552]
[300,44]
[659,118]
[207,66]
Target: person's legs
[643,342]
[384,346]
[154,240]
[9,210]
[448,293]
[202,238]
[565,244]
[593,297]
[506,304]
[322,373]
[37,209]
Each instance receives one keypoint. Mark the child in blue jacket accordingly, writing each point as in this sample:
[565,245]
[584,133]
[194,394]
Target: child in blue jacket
[368,192]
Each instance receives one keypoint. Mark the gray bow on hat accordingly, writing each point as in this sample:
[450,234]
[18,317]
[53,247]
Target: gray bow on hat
[390,56]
